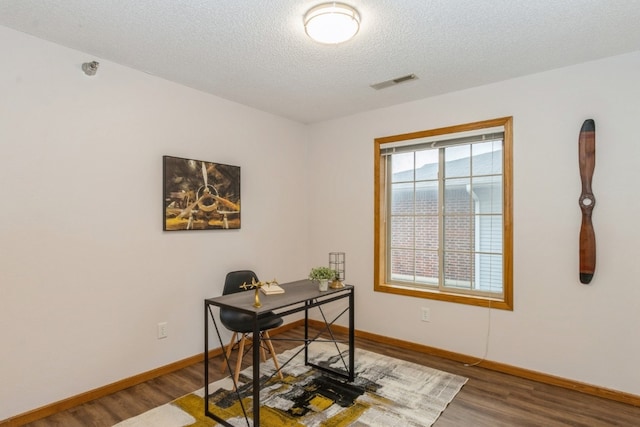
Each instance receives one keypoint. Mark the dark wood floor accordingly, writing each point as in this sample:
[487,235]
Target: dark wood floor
[487,399]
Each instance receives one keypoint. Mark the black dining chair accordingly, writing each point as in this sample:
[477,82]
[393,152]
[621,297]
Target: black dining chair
[242,323]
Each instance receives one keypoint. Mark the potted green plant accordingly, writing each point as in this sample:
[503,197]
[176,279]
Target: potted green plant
[322,275]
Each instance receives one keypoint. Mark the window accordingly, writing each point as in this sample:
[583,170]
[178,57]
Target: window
[443,214]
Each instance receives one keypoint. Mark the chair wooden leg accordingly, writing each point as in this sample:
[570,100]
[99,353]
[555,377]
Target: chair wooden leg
[236,375]
[273,353]
[223,365]
[262,352]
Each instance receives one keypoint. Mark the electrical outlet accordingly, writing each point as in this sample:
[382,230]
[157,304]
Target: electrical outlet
[426,314]
[162,330]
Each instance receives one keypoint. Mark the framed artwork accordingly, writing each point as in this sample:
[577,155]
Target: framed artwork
[200,195]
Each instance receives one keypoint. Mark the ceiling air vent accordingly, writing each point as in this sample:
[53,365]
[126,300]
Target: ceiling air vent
[395,81]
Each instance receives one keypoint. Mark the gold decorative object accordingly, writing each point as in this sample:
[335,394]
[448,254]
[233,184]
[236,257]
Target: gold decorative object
[257,285]
[336,284]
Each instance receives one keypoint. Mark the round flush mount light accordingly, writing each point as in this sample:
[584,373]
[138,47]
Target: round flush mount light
[332,23]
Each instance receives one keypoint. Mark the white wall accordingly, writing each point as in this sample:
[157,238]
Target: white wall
[559,326]
[86,271]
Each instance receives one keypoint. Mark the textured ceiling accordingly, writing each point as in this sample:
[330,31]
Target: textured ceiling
[255,52]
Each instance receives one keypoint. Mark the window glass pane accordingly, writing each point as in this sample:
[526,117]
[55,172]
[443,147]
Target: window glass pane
[487,193]
[402,202]
[402,232]
[426,232]
[489,273]
[487,158]
[426,164]
[402,167]
[458,234]
[456,196]
[427,198]
[442,220]
[489,233]
[458,270]
[457,161]
[427,267]
[402,265]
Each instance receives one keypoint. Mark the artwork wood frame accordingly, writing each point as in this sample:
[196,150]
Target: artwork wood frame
[200,195]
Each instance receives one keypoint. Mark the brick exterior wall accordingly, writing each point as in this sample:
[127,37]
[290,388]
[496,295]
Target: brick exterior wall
[458,227]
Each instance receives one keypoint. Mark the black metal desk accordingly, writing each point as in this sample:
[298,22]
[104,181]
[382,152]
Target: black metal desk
[301,295]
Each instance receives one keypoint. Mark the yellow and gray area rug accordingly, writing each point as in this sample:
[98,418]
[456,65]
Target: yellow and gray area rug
[387,392]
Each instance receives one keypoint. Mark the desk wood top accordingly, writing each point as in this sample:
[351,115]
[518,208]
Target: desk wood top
[294,293]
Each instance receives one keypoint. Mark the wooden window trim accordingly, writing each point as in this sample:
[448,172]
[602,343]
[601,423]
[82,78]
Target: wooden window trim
[380,285]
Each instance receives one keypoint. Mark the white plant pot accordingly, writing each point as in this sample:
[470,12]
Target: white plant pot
[323,284]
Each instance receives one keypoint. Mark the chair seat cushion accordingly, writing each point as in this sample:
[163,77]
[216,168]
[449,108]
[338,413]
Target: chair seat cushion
[243,323]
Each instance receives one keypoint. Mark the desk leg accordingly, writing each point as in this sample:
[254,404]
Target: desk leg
[306,333]
[351,336]
[256,373]
[206,359]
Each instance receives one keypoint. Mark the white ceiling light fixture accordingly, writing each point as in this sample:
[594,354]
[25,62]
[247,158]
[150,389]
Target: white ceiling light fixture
[332,23]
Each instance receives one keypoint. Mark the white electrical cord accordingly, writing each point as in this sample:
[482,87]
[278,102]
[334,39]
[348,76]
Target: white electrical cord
[486,345]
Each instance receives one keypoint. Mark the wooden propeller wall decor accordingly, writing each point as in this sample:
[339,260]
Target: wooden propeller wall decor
[587,160]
